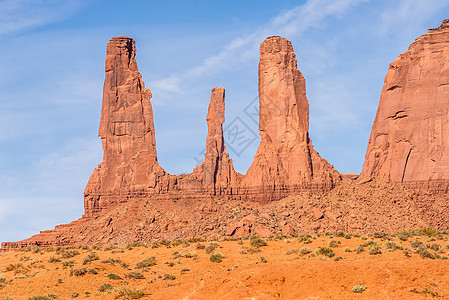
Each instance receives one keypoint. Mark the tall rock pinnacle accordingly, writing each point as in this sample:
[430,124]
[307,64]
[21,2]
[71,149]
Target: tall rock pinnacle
[285,156]
[409,141]
[126,128]
[217,171]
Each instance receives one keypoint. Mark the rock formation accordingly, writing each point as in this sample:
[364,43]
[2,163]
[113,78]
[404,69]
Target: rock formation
[126,131]
[409,142]
[216,173]
[130,179]
[285,158]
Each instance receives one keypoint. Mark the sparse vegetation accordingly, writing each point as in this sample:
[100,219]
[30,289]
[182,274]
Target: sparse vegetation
[359,288]
[169,277]
[128,293]
[135,275]
[257,241]
[90,258]
[47,297]
[113,276]
[325,251]
[106,288]
[69,254]
[146,263]
[216,257]
[78,272]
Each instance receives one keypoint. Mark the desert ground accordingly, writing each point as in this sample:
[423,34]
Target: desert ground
[407,265]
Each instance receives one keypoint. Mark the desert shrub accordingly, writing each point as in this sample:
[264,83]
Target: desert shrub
[200,246]
[92,271]
[78,272]
[128,293]
[69,254]
[113,276]
[190,255]
[169,277]
[333,244]
[74,295]
[170,263]
[53,260]
[25,258]
[434,246]
[359,288]
[338,258]
[34,249]
[7,298]
[340,234]
[216,257]
[13,267]
[325,251]
[422,251]
[381,235]
[47,297]
[416,244]
[305,239]
[91,257]
[392,246]
[146,263]
[359,249]
[305,250]
[348,249]
[135,275]
[69,263]
[106,287]
[293,251]
[370,243]
[375,249]
[428,231]
[257,241]
[185,270]
[263,259]
[211,247]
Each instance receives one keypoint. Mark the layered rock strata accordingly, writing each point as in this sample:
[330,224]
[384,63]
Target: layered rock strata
[409,141]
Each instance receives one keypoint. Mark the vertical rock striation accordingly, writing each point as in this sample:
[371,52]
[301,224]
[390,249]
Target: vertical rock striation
[409,141]
[126,131]
[285,158]
[216,173]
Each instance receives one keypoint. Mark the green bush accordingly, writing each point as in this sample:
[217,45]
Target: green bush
[106,287]
[128,293]
[257,241]
[148,262]
[216,257]
[325,251]
[359,288]
[113,276]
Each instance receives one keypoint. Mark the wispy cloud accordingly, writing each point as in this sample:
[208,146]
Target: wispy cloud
[288,24]
[18,15]
[409,14]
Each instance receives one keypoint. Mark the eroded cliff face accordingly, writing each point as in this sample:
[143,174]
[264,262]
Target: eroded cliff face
[409,142]
[126,131]
[285,158]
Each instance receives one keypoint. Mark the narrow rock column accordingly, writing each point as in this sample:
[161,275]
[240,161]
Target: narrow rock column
[285,157]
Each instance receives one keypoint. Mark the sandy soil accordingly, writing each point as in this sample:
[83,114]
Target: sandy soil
[281,269]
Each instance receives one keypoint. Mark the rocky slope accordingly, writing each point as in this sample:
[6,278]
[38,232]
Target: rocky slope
[409,142]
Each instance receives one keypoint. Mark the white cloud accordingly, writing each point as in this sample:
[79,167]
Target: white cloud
[288,24]
[17,15]
[409,14]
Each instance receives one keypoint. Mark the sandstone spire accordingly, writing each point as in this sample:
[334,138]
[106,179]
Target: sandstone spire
[285,156]
[126,128]
[217,171]
[409,141]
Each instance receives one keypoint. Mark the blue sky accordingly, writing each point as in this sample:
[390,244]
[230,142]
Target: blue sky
[52,72]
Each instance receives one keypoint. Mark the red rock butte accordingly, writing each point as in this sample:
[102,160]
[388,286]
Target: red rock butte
[130,197]
[409,142]
[285,161]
